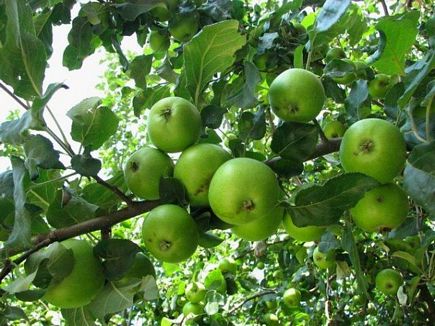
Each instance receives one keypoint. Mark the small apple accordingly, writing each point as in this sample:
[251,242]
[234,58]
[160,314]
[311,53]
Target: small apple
[143,172]
[161,12]
[334,129]
[183,27]
[383,207]
[388,281]
[192,308]
[195,292]
[379,86]
[292,298]
[228,265]
[159,41]
[242,190]
[174,124]
[324,260]
[374,147]
[296,95]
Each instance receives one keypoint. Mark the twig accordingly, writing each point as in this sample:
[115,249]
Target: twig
[14,96]
[65,140]
[251,297]
[321,133]
[384,6]
[115,190]
[98,223]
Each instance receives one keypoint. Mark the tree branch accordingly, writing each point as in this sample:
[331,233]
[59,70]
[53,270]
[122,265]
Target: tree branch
[98,223]
[385,8]
[251,297]
[25,107]
[115,190]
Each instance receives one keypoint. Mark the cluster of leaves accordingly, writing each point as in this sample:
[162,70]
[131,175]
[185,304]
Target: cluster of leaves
[225,70]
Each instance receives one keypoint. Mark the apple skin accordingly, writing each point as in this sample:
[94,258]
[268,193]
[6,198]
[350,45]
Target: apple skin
[159,41]
[86,279]
[195,292]
[169,233]
[183,27]
[192,308]
[242,190]
[261,228]
[195,169]
[379,86]
[161,12]
[296,95]
[324,260]
[305,234]
[292,298]
[143,172]
[334,129]
[388,281]
[173,124]
[374,147]
[228,265]
[383,207]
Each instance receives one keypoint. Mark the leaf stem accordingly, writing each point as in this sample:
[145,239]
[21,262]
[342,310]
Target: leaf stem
[14,96]
[414,128]
[115,190]
[36,185]
[65,140]
[427,124]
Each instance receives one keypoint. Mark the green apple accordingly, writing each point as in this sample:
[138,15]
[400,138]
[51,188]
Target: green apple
[159,41]
[296,95]
[379,86]
[292,297]
[161,12]
[183,27]
[170,233]
[243,190]
[305,233]
[192,308]
[83,283]
[195,292]
[227,265]
[260,228]
[374,147]
[324,260]
[143,172]
[384,207]
[388,281]
[195,169]
[334,129]
[173,124]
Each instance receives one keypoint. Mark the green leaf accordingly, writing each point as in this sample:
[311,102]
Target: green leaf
[21,231]
[99,195]
[209,52]
[22,56]
[172,191]
[244,94]
[92,125]
[358,95]
[78,317]
[324,205]
[286,168]
[140,67]
[40,153]
[330,14]
[80,43]
[20,284]
[150,96]
[85,165]
[298,57]
[7,185]
[419,177]
[295,141]
[333,91]
[39,103]
[42,191]
[212,116]
[397,35]
[209,240]
[131,9]
[252,125]
[118,255]
[68,209]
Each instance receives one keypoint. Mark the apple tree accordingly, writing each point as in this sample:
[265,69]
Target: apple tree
[258,163]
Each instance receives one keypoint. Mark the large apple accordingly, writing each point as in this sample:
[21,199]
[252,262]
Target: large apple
[384,207]
[388,281]
[170,233]
[292,297]
[84,281]
[143,172]
[261,228]
[296,95]
[305,233]
[243,190]
[174,124]
[374,147]
[195,169]
[184,26]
